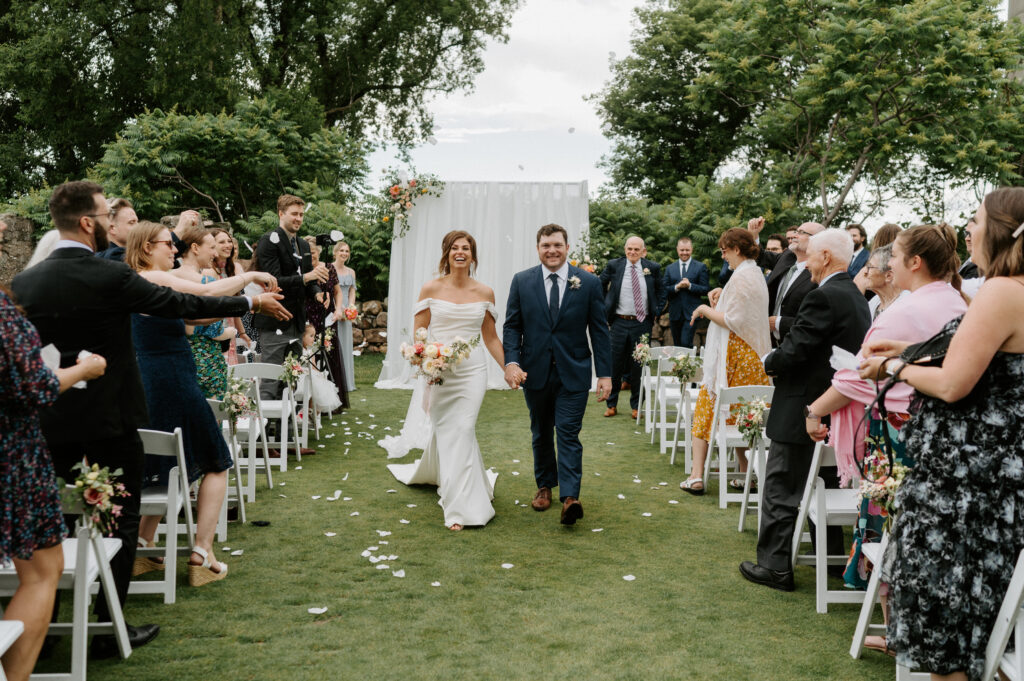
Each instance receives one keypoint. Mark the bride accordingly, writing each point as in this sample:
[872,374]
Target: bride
[456,305]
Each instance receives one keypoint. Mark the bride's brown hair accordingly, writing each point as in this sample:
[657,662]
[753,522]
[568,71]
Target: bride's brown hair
[446,248]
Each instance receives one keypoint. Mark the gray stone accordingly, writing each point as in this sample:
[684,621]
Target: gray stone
[372,307]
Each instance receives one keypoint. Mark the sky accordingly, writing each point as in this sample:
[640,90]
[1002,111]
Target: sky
[527,120]
[515,125]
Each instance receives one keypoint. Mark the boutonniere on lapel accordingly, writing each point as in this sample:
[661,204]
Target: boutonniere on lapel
[574,282]
[647,272]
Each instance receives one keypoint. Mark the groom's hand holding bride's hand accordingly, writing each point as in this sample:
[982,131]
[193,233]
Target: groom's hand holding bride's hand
[604,388]
[514,376]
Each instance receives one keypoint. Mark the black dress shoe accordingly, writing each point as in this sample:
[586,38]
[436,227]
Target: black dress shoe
[783,581]
[105,646]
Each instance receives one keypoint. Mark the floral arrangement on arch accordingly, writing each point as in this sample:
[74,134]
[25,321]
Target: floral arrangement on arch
[401,195]
[750,419]
[96,489]
[642,351]
[434,359]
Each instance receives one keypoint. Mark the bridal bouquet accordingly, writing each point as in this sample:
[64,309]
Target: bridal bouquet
[237,399]
[685,367]
[880,484]
[433,359]
[750,419]
[642,351]
[95,489]
[351,313]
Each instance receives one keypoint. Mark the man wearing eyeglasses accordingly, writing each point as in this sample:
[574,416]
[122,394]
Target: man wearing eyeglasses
[80,302]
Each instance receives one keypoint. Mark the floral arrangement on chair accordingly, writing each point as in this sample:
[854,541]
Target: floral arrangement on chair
[880,484]
[642,351]
[685,367]
[292,370]
[237,399]
[750,419]
[433,359]
[95,489]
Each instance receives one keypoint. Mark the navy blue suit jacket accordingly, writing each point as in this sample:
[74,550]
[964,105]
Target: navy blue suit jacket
[532,341]
[858,262]
[611,280]
[683,302]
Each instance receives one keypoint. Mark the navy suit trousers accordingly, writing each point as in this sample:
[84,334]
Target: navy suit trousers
[625,335]
[557,412]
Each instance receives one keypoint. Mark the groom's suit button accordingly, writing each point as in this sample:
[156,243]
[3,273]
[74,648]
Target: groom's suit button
[542,499]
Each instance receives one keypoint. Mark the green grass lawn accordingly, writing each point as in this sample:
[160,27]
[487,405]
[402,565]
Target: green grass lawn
[562,611]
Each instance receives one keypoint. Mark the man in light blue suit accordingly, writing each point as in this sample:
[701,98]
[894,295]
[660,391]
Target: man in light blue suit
[686,282]
[551,308]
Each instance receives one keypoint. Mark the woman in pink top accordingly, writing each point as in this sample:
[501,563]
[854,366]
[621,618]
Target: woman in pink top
[924,262]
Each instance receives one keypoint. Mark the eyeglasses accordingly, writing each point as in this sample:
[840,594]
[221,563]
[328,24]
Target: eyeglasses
[804,232]
[97,215]
[169,242]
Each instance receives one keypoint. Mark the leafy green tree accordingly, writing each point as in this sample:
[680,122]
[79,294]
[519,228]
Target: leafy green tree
[72,74]
[233,166]
[872,92]
[659,136]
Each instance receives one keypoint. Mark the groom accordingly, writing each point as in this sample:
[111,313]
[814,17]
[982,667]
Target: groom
[550,308]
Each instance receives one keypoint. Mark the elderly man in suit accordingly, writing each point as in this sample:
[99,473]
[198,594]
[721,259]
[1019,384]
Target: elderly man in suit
[283,254]
[633,299]
[686,282]
[80,302]
[834,313]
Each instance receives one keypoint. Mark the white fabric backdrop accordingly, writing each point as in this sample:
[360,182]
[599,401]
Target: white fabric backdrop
[504,218]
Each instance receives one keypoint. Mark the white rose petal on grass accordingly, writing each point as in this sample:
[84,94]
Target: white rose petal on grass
[298,468]
[662,483]
[646,515]
[515,460]
[225,548]
[398,573]
[383,566]
[354,513]
[347,499]
[321,446]
[628,578]
[376,559]
[410,505]
[238,552]
[343,479]
[515,472]
[274,238]
[435,584]
[337,493]
[383,533]
[392,557]
[374,548]
[609,443]
[330,534]
[382,543]
[598,529]
[404,521]
[347,443]
[507,566]
[365,554]
[282,496]
[597,474]
[282,484]
[622,496]
[672,501]
[312,611]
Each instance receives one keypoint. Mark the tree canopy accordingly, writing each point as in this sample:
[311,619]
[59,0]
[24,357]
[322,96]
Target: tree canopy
[819,95]
[73,73]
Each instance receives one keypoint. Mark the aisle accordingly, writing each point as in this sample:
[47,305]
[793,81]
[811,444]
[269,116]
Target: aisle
[521,598]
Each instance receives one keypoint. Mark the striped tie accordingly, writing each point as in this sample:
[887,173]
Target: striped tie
[638,300]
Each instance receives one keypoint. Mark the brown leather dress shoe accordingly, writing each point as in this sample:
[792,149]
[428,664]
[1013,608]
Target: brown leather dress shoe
[634,414]
[611,411]
[624,385]
[542,499]
[572,510]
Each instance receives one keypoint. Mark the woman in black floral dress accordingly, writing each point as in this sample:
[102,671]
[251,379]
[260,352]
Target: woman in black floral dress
[31,524]
[961,509]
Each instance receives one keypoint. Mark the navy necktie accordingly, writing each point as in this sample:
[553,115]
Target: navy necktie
[553,298]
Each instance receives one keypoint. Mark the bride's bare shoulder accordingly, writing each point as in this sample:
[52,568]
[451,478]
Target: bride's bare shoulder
[484,292]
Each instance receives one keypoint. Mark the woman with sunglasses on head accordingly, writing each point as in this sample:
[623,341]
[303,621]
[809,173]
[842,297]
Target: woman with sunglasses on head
[172,390]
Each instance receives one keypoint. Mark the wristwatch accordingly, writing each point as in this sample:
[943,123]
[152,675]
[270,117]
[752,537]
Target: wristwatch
[808,414]
[894,371]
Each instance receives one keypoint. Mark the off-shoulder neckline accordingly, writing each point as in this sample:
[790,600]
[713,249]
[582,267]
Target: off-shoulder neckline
[442,300]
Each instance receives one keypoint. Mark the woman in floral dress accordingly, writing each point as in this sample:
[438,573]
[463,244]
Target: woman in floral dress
[960,522]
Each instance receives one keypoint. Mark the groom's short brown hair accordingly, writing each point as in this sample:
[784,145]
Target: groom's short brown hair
[548,230]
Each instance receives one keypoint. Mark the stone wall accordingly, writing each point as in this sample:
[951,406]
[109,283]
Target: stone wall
[370,331]
[17,247]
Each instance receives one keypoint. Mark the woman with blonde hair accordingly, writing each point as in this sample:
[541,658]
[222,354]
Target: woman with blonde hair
[173,396]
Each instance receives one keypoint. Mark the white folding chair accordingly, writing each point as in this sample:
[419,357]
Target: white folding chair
[1010,620]
[725,438]
[666,394]
[824,507]
[684,400]
[86,560]
[251,432]
[649,380]
[230,433]
[10,630]
[307,410]
[873,552]
[282,410]
[757,459]
[168,502]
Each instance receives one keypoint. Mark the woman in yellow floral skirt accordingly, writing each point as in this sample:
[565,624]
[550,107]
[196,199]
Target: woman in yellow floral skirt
[737,339]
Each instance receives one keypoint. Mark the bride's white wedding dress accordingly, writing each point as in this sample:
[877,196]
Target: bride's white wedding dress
[451,455]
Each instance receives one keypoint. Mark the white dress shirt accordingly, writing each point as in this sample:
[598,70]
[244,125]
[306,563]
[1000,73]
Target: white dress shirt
[626,305]
[563,277]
